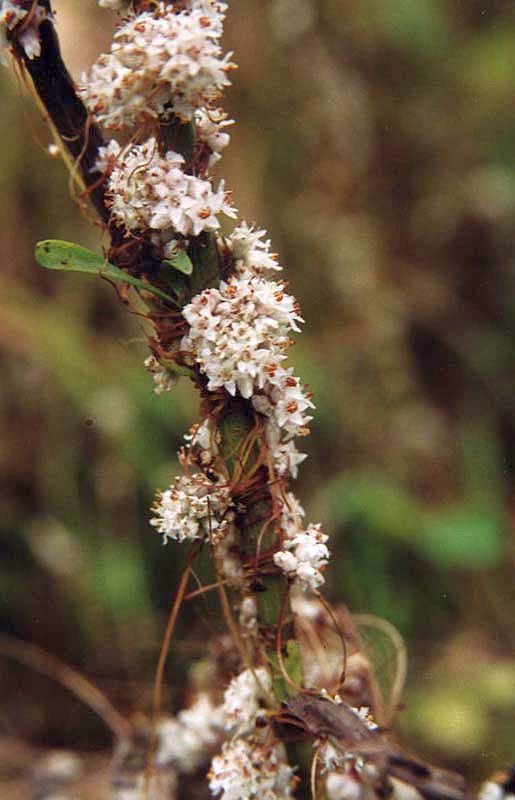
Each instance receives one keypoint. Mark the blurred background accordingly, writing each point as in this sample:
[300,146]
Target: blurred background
[375,140]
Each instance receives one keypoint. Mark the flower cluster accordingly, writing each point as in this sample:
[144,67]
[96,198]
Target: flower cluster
[203,443]
[238,336]
[192,508]
[163,381]
[209,130]
[239,332]
[304,552]
[241,708]
[251,252]
[12,13]
[284,401]
[185,739]
[161,62]
[147,190]
[246,769]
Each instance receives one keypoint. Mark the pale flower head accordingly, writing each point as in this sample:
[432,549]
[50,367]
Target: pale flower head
[240,331]
[161,62]
[241,699]
[192,508]
[163,380]
[185,741]
[246,770]
[251,250]
[304,554]
[147,190]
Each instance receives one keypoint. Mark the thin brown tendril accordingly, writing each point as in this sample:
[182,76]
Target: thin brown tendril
[313,774]
[47,664]
[158,681]
[341,635]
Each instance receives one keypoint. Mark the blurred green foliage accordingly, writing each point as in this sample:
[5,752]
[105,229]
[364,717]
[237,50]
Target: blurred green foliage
[376,142]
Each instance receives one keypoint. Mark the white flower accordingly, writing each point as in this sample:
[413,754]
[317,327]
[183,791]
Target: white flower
[191,508]
[163,381]
[284,402]
[285,454]
[209,127]
[203,442]
[147,190]
[246,770]
[161,62]
[185,742]
[239,332]
[250,251]
[241,699]
[304,555]
[11,13]
[107,156]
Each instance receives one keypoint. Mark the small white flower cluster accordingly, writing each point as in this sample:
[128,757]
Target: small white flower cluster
[203,442]
[285,403]
[304,552]
[238,336]
[161,62]
[163,381]
[209,129]
[241,708]
[11,13]
[251,252]
[239,332]
[192,508]
[246,770]
[147,190]
[185,739]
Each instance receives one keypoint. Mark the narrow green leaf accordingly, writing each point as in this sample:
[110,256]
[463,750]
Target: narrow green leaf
[66,256]
[181,262]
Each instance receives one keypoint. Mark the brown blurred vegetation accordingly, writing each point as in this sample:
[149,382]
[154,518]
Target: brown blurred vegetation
[376,142]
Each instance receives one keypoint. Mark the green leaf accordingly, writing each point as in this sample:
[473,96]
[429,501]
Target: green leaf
[69,257]
[463,537]
[181,262]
